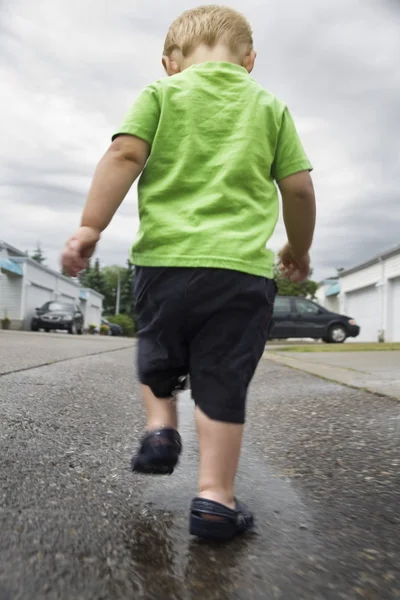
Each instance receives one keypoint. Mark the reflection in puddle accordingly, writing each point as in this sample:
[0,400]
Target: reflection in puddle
[167,564]
[212,571]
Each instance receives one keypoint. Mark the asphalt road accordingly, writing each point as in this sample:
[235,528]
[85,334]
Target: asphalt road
[320,467]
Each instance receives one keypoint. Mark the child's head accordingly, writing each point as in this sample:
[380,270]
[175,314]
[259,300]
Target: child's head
[208,33]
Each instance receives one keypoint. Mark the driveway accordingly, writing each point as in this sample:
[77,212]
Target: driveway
[377,372]
[320,467]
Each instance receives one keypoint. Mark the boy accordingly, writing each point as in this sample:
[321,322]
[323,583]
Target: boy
[209,142]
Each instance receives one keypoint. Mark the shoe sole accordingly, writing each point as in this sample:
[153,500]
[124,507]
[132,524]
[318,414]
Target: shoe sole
[217,532]
[154,466]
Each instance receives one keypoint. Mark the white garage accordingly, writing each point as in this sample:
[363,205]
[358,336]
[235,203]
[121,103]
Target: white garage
[363,305]
[92,307]
[370,293]
[394,308]
[26,285]
[36,296]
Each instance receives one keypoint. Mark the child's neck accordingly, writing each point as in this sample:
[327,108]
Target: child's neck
[202,54]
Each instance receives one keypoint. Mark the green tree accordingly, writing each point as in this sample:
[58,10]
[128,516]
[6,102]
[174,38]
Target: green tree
[111,275]
[123,275]
[105,280]
[38,255]
[127,300]
[82,275]
[93,278]
[307,289]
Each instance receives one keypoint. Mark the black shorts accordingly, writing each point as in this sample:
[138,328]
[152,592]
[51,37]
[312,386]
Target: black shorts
[210,324]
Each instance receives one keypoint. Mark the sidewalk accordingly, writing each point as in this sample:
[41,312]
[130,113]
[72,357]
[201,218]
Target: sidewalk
[376,372]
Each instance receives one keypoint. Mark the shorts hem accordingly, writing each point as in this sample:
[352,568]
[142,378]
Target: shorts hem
[218,413]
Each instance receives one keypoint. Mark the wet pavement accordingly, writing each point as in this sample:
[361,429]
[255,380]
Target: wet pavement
[320,467]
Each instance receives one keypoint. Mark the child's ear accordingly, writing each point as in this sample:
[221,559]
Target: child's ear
[171,66]
[249,60]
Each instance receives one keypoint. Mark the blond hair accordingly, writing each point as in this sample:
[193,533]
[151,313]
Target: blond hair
[209,25]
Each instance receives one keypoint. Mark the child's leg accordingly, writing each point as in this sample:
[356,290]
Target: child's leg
[161,412]
[161,446]
[233,313]
[220,445]
[162,363]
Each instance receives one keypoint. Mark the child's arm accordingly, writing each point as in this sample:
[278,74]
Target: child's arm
[299,212]
[291,170]
[117,170]
[298,201]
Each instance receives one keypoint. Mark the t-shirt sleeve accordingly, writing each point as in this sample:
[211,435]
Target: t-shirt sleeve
[143,117]
[290,157]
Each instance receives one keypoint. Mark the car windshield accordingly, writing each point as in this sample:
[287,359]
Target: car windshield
[58,306]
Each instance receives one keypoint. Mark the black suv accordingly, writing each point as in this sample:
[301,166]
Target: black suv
[296,317]
[58,315]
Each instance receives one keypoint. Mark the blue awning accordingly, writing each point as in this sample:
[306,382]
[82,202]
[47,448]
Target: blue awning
[11,266]
[334,290]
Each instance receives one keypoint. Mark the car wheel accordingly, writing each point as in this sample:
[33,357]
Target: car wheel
[72,329]
[337,334]
[80,331]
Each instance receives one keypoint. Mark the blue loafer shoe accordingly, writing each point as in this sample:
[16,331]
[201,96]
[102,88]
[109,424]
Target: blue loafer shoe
[210,520]
[158,453]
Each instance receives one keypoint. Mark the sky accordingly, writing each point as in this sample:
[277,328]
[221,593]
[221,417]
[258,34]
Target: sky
[70,70]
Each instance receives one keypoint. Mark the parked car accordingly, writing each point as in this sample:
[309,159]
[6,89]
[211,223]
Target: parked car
[58,315]
[113,327]
[296,317]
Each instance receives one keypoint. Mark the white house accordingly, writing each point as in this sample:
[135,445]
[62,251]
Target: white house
[370,292]
[26,285]
[328,294]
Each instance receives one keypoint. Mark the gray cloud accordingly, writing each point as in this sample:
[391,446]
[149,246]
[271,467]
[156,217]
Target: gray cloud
[72,69]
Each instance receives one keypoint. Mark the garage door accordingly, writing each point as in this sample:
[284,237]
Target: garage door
[36,297]
[364,306]
[394,303]
[67,299]
[93,315]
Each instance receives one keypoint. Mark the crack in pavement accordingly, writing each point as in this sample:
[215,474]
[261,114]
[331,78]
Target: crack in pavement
[63,360]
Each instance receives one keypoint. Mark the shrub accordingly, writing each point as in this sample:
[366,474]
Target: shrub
[5,323]
[92,328]
[126,323]
[104,330]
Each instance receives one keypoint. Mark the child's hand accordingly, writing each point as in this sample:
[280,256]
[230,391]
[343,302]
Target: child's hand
[79,249]
[294,268]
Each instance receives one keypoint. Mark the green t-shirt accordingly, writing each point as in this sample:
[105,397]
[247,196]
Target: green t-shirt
[207,196]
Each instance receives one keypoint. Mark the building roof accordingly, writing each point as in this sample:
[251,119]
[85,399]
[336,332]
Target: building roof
[93,292]
[32,261]
[11,248]
[373,261]
[328,281]
[13,265]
